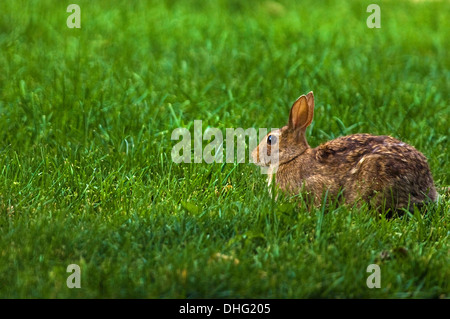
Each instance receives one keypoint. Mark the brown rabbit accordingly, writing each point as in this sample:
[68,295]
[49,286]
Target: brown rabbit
[380,170]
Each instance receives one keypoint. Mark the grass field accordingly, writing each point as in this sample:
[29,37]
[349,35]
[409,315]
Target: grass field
[86,175]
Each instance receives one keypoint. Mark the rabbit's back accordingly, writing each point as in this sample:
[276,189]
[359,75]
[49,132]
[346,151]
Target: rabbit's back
[381,170]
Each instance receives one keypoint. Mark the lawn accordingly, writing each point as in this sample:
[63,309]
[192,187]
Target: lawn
[87,177]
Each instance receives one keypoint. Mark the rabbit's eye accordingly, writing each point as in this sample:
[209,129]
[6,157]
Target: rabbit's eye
[271,139]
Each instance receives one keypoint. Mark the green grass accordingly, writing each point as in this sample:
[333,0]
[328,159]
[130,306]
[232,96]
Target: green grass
[86,175]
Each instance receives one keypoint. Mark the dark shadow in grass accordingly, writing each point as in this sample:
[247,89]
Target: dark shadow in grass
[306,203]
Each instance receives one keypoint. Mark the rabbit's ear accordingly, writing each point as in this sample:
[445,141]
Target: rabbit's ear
[302,112]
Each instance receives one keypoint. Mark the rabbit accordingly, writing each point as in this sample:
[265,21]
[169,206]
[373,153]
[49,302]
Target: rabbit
[379,170]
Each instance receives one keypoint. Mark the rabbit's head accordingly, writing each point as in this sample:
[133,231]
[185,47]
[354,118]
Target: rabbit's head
[283,145]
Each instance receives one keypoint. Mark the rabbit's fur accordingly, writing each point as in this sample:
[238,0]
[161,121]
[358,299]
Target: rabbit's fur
[380,170]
